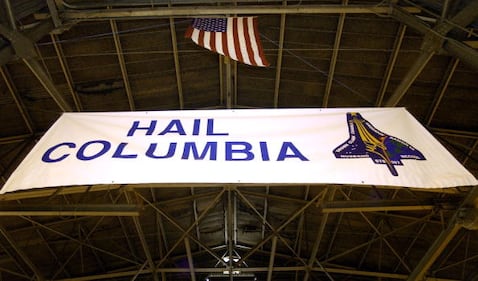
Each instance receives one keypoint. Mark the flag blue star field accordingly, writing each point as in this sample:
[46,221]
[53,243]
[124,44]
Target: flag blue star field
[234,37]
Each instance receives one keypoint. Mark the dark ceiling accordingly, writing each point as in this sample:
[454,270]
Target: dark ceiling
[77,55]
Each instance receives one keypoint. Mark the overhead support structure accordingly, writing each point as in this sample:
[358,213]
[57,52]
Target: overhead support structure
[177,66]
[122,63]
[16,97]
[334,270]
[280,56]
[330,194]
[391,63]
[435,39]
[25,49]
[335,55]
[105,14]
[460,219]
[34,34]
[442,89]
[381,206]
[103,210]
[24,258]
[142,239]
[66,71]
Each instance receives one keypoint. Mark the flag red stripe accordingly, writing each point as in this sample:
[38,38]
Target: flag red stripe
[201,38]
[250,52]
[235,36]
[212,41]
[189,32]
[241,40]
[258,42]
[225,48]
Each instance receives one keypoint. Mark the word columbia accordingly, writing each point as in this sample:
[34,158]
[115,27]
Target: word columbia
[233,150]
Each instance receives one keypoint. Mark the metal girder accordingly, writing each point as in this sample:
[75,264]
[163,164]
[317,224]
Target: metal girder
[280,52]
[271,258]
[412,74]
[11,16]
[275,231]
[435,39]
[335,270]
[34,34]
[16,97]
[79,242]
[66,71]
[25,49]
[70,210]
[466,54]
[444,238]
[186,232]
[453,64]
[104,14]
[47,83]
[333,60]
[323,222]
[391,63]
[177,66]
[122,63]
[142,239]
[374,206]
[382,237]
[21,254]
[192,272]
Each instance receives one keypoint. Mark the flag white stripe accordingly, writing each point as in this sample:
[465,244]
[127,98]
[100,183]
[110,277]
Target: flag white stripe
[195,36]
[242,41]
[219,43]
[230,39]
[207,42]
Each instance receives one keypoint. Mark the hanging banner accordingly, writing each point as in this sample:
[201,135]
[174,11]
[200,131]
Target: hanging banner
[363,146]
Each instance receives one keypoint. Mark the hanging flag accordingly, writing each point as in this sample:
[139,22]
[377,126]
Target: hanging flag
[236,38]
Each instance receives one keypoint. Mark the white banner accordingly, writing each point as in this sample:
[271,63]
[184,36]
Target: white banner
[364,146]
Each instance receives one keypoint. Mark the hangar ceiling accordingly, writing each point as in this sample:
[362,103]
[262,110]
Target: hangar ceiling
[60,56]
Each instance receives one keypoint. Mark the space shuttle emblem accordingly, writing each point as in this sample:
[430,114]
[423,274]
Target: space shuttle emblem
[367,141]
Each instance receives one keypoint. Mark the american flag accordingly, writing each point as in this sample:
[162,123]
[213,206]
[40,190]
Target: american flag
[235,37]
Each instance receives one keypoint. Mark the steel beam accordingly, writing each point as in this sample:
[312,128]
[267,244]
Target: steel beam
[275,231]
[10,14]
[142,239]
[98,14]
[16,97]
[412,74]
[442,89]
[66,71]
[79,242]
[190,259]
[34,34]
[122,63]
[435,39]
[21,254]
[70,210]
[47,83]
[374,206]
[280,52]
[323,222]
[186,232]
[271,258]
[332,270]
[391,63]
[333,60]
[443,239]
[466,54]
[25,49]
[177,66]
